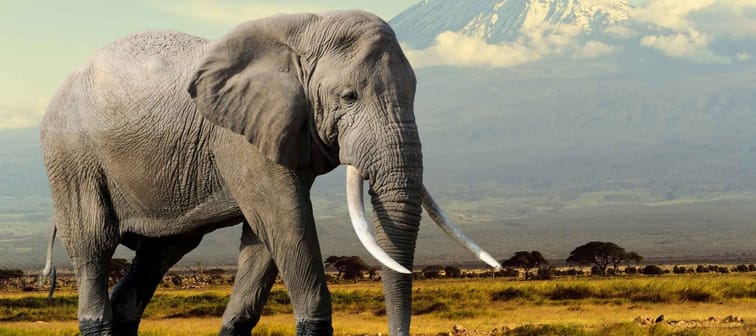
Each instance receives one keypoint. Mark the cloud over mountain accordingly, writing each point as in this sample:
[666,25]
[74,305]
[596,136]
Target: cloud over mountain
[503,33]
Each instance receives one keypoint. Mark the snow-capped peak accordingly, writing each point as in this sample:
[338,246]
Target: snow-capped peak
[504,20]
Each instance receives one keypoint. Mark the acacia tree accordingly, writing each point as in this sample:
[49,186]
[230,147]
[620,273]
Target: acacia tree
[525,260]
[602,254]
[351,267]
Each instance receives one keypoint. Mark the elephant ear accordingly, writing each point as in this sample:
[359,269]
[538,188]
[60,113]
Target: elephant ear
[248,82]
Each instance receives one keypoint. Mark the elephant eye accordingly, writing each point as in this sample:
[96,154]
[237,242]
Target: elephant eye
[349,96]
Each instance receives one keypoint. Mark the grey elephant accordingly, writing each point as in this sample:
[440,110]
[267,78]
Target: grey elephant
[163,137]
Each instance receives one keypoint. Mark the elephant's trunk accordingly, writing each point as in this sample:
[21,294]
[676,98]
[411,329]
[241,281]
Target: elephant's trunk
[396,226]
[396,195]
[395,173]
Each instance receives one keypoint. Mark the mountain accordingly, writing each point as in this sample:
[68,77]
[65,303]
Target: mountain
[496,21]
[651,151]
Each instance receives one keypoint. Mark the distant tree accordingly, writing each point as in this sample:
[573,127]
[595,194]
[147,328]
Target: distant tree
[652,270]
[432,271]
[525,260]
[8,274]
[602,255]
[373,273]
[634,258]
[332,261]
[452,272]
[350,267]
[117,269]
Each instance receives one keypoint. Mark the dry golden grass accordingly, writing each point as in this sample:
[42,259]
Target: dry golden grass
[584,306]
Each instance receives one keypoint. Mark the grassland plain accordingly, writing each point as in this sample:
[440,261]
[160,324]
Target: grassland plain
[566,306]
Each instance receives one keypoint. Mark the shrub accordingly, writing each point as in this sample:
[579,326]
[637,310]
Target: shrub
[508,272]
[695,294]
[510,293]
[453,272]
[458,314]
[702,269]
[428,306]
[574,292]
[742,268]
[723,269]
[6,274]
[679,269]
[631,270]
[544,273]
[652,270]
[432,271]
[546,330]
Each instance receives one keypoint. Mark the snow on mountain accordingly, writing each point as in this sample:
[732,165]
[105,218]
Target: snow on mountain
[496,21]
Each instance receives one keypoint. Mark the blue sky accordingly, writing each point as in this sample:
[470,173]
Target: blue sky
[43,41]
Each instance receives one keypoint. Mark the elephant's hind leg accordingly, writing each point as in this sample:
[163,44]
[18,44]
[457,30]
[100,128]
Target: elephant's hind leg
[154,256]
[89,230]
[254,279]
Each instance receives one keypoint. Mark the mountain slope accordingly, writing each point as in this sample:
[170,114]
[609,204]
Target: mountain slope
[496,21]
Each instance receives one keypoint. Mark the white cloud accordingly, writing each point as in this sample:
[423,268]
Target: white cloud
[224,12]
[731,18]
[671,14]
[743,57]
[691,45]
[457,49]
[690,26]
[622,32]
[593,49]
[536,43]
[22,115]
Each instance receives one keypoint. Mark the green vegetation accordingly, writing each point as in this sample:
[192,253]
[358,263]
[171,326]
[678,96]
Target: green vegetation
[602,255]
[525,260]
[451,298]
[349,267]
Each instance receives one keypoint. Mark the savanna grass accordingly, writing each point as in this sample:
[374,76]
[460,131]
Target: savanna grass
[566,306]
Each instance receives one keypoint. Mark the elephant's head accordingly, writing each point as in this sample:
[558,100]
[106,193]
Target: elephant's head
[314,91]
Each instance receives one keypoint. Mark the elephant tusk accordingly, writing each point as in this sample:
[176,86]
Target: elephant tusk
[439,216]
[357,213]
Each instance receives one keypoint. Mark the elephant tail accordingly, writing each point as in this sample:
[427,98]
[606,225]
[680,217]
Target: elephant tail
[49,269]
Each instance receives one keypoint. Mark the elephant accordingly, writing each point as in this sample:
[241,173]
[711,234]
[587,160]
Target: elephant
[162,137]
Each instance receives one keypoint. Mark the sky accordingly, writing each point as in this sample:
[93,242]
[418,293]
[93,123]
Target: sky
[44,40]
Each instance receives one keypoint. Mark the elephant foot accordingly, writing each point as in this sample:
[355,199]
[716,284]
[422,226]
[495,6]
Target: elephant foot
[237,328]
[95,328]
[125,328]
[314,327]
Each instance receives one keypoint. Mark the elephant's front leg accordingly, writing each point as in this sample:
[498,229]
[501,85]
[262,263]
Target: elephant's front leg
[290,236]
[254,279]
[276,202]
